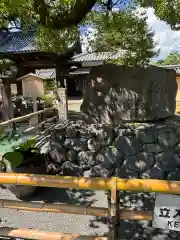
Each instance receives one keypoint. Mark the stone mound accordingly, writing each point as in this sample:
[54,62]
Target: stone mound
[116,93]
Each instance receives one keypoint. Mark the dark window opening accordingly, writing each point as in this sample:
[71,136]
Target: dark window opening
[73,90]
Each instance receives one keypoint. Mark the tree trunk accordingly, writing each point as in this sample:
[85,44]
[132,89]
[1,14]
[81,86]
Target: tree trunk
[64,19]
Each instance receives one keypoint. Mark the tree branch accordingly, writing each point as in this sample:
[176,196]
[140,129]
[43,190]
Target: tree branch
[66,18]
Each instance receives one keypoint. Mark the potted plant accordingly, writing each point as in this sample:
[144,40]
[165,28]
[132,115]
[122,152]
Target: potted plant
[25,158]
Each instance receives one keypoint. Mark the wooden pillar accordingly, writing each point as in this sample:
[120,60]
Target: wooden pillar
[62,104]
[59,76]
[21,72]
[62,101]
[8,110]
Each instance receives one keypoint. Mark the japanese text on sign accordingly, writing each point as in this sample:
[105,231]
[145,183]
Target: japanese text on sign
[167,212]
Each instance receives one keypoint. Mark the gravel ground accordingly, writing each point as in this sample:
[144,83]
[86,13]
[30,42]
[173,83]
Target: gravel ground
[86,225]
[56,222]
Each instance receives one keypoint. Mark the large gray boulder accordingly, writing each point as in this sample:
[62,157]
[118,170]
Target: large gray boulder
[116,93]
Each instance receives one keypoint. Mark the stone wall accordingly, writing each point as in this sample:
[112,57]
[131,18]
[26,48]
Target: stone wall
[133,150]
[129,151]
[115,93]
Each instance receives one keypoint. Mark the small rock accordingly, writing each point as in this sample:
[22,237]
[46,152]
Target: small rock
[87,174]
[98,171]
[166,161]
[174,176]
[70,169]
[55,167]
[58,136]
[124,172]
[155,173]
[71,132]
[76,144]
[93,145]
[140,162]
[85,159]
[72,156]
[109,157]
[167,138]
[177,159]
[153,148]
[84,132]
[125,132]
[57,157]
[128,145]
[146,136]
[56,144]
[177,148]
[105,135]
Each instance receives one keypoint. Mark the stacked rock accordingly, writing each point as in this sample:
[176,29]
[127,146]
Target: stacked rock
[128,150]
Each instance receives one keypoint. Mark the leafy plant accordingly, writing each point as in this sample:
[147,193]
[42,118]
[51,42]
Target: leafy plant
[48,99]
[172,58]
[30,144]
[12,159]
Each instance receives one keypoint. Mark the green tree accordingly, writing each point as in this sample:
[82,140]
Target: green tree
[171,59]
[67,13]
[127,32]
[57,31]
[166,10]
[7,68]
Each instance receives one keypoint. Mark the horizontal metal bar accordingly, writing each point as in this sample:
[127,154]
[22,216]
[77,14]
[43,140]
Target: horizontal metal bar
[40,235]
[125,214]
[22,118]
[135,185]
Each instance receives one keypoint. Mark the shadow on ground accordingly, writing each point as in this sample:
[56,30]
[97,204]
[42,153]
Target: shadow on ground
[138,230]
[61,195]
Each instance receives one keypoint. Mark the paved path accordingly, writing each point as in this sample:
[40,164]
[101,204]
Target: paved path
[87,225]
[56,222]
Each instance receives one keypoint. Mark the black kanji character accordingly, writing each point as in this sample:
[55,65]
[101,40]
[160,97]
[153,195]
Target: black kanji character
[177,214]
[164,212]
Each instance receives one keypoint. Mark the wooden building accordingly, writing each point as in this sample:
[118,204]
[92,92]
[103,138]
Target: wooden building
[177,69]
[76,78]
[69,69]
[21,48]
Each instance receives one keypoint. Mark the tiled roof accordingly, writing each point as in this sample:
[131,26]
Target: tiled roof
[176,67]
[99,56]
[19,42]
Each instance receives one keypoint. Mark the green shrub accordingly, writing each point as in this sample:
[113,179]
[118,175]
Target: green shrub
[48,100]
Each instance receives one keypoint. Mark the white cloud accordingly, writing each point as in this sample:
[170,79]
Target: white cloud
[166,39]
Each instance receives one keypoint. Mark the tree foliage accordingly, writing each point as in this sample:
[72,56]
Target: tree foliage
[59,14]
[166,10]
[7,68]
[124,31]
[59,22]
[172,58]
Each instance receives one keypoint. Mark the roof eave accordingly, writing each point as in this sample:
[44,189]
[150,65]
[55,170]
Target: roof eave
[30,74]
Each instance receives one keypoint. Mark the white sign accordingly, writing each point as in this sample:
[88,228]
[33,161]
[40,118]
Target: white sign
[14,88]
[167,212]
